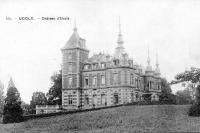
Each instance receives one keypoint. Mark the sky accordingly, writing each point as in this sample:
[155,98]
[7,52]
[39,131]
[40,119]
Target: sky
[30,50]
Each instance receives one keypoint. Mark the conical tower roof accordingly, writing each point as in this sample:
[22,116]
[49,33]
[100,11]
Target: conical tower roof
[11,83]
[149,67]
[149,70]
[75,40]
[157,70]
[119,51]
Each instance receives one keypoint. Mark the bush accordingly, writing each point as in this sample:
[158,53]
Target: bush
[194,110]
[12,108]
[12,113]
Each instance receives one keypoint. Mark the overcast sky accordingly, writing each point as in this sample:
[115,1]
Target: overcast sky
[30,50]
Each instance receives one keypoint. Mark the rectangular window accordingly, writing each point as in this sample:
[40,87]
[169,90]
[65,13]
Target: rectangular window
[70,68]
[86,81]
[115,78]
[94,80]
[116,62]
[131,79]
[70,100]
[103,79]
[86,99]
[149,85]
[103,99]
[138,83]
[70,56]
[102,65]
[70,81]
[94,66]
[86,67]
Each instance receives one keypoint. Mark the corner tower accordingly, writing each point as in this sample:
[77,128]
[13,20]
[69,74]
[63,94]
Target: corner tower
[74,53]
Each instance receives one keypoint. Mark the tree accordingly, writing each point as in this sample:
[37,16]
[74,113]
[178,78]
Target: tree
[38,98]
[184,96]
[55,92]
[26,108]
[1,98]
[193,76]
[166,92]
[12,108]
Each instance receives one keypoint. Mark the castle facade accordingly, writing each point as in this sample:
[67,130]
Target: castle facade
[104,80]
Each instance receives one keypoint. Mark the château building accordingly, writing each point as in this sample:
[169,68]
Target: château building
[103,79]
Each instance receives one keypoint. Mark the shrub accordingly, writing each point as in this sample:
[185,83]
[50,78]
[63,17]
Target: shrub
[12,108]
[194,110]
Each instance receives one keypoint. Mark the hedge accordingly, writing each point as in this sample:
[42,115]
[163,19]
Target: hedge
[35,116]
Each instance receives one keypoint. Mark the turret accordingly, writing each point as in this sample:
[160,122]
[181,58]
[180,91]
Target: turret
[157,69]
[74,53]
[148,70]
[119,51]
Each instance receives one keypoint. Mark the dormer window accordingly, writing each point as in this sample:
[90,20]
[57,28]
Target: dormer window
[103,65]
[86,67]
[130,63]
[116,62]
[94,66]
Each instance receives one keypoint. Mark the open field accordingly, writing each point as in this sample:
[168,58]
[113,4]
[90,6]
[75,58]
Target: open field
[152,118]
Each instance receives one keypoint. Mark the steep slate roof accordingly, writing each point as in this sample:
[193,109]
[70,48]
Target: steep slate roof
[119,53]
[75,41]
[98,58]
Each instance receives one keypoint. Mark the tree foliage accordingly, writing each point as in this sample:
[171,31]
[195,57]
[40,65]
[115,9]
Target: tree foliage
[166,92]
[12,108]
[55,92]
[25,108]
[193,76]
[184,96]
[1,98]
[38,98]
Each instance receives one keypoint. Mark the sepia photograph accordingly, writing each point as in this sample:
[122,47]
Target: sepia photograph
[99,66]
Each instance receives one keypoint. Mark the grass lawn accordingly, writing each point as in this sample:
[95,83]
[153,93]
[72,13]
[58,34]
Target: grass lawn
[152,118]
